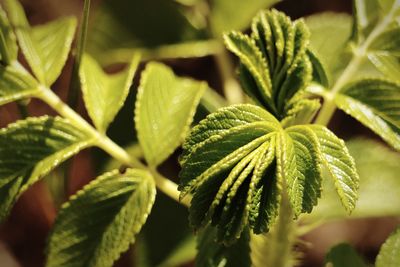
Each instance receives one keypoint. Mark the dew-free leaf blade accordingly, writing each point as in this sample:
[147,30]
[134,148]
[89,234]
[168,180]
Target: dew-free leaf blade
[110,211]
[344,255]
[213,254]
[340,165]
[16,83]
[9,41]
[164,110]
[389,255]
[104,94]
[32,148]
[375,103]
[46,46]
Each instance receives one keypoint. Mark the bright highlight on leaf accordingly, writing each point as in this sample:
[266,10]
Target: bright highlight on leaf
[239,160]
[104,94]
[101,220]
[274,62]
[375,103]
[32,148]
[165,107]
[45,47]
[8,40]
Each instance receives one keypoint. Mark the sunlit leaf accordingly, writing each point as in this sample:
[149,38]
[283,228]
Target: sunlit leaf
[165,107]
[9,39]
[104,94]
[389,255]
[100,222]
[32,148]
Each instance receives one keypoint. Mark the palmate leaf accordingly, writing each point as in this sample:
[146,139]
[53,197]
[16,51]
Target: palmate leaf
[16,83]
[45,47]
[104,94]
[237,161]
[375,103]
[164,110]
[389,255]
[274,62]
[30,149]
[214,254]
[100,222]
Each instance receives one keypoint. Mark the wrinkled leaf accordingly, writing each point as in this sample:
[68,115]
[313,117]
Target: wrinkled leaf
[100,222]
[30,149]
[104,94]
[164,110]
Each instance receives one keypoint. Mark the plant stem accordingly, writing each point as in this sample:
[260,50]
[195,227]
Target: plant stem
[232,90]
[75,84]
[329,106]
[105,143]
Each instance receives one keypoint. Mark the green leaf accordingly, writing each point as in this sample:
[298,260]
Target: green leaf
[319,74]
[302,112]
[339,164]
[328,41]
[213,254]
[100,222]
[16,83]
[165,107]
[235,14]
[344,255]
[379,189]
[104,94]
[389,255]
[9,51]
[183,253]
[375,103]
[388,65]
[45,47]
[30,149]
[275,65]
[239,160]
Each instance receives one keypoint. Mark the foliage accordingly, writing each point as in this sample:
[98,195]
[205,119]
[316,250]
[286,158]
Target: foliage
[249,170]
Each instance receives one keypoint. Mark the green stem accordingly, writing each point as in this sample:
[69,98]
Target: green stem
[73,92]
[329,106]
[105,143]
[231,87]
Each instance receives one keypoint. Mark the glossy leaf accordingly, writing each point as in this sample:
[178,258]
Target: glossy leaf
[235,14]
[387,64]
[375,103]
[104,94]
[274,61]
[164,110]
[213,254]
[8,42]
[340,166]
[46,46]
[30,149]
[16,83]
[344,255]
[100,222]
[389,255]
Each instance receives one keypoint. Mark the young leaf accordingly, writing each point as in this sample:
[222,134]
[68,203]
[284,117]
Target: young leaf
[274,62]
[213,254]
[104,94]
[389,255]
[164,110]
[379,189]
[235,14]
[100,222]
[340,165]
[344,255]
[32,148]
[375,103]
[45,47]
[387,64]
[9,50]
[16,83]
[237,162]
